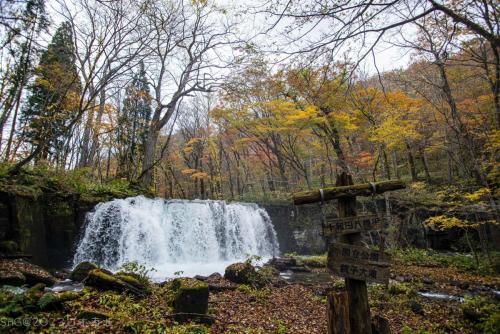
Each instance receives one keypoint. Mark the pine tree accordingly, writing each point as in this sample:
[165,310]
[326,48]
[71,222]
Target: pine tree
[134,124]
[54,95]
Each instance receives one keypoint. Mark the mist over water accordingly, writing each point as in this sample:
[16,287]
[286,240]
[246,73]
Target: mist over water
[195,237]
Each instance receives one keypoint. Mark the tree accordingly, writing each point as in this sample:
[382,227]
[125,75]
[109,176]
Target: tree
[185,51]
[20,26]
[132,131]
[54,95]
[368,21]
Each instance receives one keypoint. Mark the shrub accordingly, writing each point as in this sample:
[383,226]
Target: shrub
[484,314]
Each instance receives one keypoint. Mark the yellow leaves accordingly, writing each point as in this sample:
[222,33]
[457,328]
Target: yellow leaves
[195,174]
[188,171]
[343,119]
[478,195]
[443,223]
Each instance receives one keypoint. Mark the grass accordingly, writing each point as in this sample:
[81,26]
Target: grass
[314,261]
[424,257]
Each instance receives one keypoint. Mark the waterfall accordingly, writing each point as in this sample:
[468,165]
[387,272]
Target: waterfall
[193,237]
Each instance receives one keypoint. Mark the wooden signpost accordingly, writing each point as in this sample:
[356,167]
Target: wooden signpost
[347,225]
[349,312]
[358,262]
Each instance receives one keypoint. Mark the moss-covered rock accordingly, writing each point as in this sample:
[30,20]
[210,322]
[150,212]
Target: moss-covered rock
[190,296]
[131,279]
[9,247]
[51,300]
[82,270]
[105,280]
[244,273]
[12,277]
[33,273]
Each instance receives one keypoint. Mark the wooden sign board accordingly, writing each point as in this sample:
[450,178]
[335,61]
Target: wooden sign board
[358,262]
[347,225]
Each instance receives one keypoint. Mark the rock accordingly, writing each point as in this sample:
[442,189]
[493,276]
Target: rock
[33,274]
[82,270]
[416,307]
[103,280]
[402,279]
[282,263]
[62,274]
[243,273]
[427,280]
[131,279]
[9,247]
[214,277]
[92,315]
[51,300]
[14,278]
[464,285]
[201,278]
[190,296]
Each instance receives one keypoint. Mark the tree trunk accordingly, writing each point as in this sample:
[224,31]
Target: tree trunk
[146,177]
[387,169]
[95,135]
[411,162]
[425,163]
[395,164]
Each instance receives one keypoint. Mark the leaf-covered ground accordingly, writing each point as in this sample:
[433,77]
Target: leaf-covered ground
[290,308]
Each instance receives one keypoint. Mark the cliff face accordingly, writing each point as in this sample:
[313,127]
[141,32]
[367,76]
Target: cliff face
[46,228]
[299,228]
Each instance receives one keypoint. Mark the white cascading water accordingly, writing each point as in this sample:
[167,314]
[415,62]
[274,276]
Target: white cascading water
[172,236]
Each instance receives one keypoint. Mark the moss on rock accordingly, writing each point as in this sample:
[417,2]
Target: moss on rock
[105,280]
[132,280]
[190,296]
[244,273]
[82,270]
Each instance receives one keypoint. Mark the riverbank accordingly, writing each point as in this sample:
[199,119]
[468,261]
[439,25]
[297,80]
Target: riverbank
[419,299]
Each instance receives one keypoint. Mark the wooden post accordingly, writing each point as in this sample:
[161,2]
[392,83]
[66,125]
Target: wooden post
[357,292]
[349,312]
[338,313]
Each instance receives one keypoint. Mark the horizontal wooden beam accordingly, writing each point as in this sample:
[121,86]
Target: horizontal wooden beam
[364,189]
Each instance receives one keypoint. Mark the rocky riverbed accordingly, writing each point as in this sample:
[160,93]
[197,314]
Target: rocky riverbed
[285,296]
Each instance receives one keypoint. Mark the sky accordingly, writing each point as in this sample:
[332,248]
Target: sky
[253,27]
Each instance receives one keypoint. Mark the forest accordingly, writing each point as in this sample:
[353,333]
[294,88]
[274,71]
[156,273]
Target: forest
[255,102]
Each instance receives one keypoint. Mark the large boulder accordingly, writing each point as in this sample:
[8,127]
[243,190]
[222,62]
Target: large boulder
[104,280]
[190,296]
[81,271]
[33,273]
[12,277]
[241,273]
